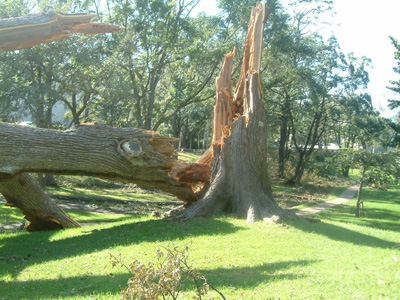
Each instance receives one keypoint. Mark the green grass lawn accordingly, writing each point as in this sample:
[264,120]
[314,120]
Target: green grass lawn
[340,258]
[189,156]
[119,194]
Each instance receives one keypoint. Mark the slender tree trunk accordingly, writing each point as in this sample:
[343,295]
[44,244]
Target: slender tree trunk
[299,169]
[346,171]
[42,180]
[282,147]
[284,137]
[206,134]
[358,204]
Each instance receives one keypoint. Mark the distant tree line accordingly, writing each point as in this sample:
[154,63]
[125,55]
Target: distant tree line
[159,72]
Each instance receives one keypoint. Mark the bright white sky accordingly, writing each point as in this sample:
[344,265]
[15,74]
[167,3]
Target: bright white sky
[365,29]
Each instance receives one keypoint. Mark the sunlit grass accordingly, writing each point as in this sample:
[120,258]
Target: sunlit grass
[10,214]
[189,156]
[342,257]
[110,193]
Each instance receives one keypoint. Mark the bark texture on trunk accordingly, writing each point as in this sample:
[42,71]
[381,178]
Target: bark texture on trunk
[359,202]
[121,154]
[128,155]
[239,176]
[20,189]
[23,191]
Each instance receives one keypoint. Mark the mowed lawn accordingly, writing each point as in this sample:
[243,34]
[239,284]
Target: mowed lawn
[340,258]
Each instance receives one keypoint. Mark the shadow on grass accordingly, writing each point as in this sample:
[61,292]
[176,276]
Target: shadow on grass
[95,217]
[36,247]
[339,233]
[376,218]
[250,277]
[391,196]
[246,277]
[378,214]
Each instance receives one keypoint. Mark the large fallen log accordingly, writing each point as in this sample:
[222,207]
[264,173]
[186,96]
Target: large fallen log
[23,192]
[121,154]
[31,30]
[19,189]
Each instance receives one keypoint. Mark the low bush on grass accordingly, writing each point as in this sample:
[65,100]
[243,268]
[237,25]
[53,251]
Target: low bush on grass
[164,279]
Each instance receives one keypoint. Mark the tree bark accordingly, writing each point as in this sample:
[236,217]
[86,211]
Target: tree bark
[121,154]
[239,177]
[358,204]
[23,192]
[20,189]
[129,155]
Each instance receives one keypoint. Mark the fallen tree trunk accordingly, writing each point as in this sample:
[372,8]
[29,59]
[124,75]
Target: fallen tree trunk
[121,154]
[23,192]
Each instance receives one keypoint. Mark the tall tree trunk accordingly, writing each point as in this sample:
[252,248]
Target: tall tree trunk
[298,174]
[284,137]
[346,171]
[206,134]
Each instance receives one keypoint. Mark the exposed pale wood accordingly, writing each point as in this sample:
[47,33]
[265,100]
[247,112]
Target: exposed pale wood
[206,158]
[191,173]
[223,107]
[252,51]
[31,30]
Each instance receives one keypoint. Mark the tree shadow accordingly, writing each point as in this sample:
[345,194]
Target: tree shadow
[235,277]
[22,250]
[376,216]
[341,234]
[250,277]
[379,196]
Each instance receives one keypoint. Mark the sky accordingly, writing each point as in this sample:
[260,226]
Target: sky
[365,27]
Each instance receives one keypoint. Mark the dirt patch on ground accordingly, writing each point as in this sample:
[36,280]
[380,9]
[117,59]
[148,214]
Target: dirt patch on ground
[308,193]
[114,206]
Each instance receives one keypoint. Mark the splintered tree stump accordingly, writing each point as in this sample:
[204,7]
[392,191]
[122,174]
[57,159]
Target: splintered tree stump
[240,182]
[238,155]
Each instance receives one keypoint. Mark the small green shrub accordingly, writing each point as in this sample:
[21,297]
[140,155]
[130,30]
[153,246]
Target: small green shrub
[164,279]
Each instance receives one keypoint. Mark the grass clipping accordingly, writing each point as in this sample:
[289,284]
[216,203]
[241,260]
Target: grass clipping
[164,279]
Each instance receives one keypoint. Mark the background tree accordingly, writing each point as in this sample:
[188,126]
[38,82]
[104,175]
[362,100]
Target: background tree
[292,76]
[395,83]
[377,168]
[160,57]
